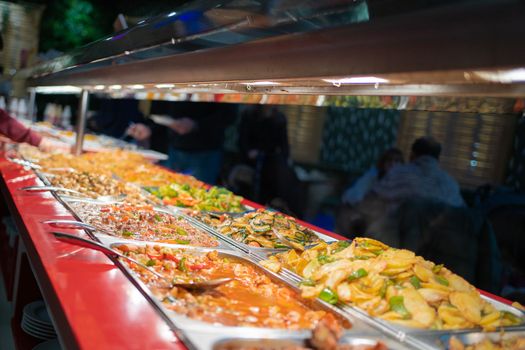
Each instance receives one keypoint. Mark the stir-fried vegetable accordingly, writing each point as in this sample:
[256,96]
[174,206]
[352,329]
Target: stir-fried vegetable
[257,229]
[215,199]
[393,284]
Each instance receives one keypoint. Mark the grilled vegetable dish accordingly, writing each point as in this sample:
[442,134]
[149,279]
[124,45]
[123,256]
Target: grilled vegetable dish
[215,199]
[143,222]
[393,284]
[258,228]
[250,299]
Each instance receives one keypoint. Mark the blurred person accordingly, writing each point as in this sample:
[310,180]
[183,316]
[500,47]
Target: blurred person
[115,116]
[349,221]
[196,137]
[362,186]
[18,132]
[422,177]
[263,143]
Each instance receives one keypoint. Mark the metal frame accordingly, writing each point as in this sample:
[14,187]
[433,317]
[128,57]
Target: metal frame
[429,50]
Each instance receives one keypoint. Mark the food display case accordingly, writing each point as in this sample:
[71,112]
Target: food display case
[97,299]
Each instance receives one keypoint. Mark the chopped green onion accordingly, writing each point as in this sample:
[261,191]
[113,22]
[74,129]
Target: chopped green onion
[415,282]
[329,296]
[324,259]
[181,232]
[307,282]
[441,280]
[341,245]
[127,233]
[182,265]
[182,241]
[397,305]
[357,274]
[150,262]
[157,218]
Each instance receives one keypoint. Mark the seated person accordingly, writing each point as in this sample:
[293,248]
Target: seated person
[349,220]
[363,185]
[422,177]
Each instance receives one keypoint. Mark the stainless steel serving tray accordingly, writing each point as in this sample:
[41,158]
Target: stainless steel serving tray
[202,335]
[476,337]
[390,327]
[107,239]
[260,252]
[283,343]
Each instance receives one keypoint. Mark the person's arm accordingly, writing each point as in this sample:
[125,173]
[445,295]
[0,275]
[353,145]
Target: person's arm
[16,131]
[361,187]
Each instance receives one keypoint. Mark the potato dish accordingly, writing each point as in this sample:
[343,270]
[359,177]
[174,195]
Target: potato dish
[392,284]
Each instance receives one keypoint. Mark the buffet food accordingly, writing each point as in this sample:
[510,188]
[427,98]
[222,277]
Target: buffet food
[251,299]
[142,222]
[509,343]
[258,229]
[217,199]
[392,284]
[89,184]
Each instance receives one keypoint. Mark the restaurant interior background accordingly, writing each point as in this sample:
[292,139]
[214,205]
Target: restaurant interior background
[333,139]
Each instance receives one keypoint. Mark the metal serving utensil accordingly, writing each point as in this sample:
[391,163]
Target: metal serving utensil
[288,242]
[24,163]
[67,190]
[79,224]
[86,243]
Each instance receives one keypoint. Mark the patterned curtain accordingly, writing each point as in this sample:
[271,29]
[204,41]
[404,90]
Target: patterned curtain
[353,139]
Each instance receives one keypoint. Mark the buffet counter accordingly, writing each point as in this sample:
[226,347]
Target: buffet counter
[93,305]
[98,302]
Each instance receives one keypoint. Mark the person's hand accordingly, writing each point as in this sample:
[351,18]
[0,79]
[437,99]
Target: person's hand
[139,132]
[183,126]
[50,145]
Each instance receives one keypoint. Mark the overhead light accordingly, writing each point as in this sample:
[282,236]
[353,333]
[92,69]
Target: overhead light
[262,83]
[165,86]
[99,87]
[356,80]
[64,89]
[115,87]
[136,87]
[171,14]
[503,76]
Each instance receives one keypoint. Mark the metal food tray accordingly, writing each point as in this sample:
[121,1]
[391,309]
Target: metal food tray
[107,239]
[472,338]
[391,327]
[283,343]
[260,252]
[201,335]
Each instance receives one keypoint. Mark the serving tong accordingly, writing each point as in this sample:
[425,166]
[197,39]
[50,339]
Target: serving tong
[67,190]
[78,224]
[86,243]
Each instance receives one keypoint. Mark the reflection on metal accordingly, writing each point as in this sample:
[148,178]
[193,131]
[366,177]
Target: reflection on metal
[81,122]
[59,89]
